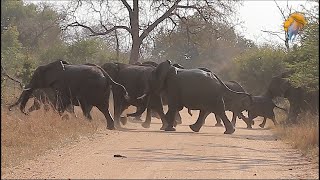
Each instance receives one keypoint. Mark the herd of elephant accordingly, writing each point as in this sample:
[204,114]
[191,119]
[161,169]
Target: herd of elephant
[149,86]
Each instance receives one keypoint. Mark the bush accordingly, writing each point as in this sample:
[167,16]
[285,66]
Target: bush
[255,68]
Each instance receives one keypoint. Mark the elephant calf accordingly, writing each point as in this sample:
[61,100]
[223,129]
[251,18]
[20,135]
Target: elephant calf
[261,106]
[46,96]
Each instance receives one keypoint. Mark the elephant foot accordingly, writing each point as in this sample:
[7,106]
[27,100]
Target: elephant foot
[218,125]
[178,121]
[164,126]
[175,124]
[145,125]
[261,125]
[170,129]
[155,115]
[65,117]
[137,119]
[111,127]
[249,127]
[117,124]
[229,131]
[124,120]
[194,128]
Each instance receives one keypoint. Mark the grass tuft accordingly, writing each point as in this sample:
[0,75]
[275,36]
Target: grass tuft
[304,135]
[25,137]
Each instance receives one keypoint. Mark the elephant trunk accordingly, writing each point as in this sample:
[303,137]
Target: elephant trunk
[25,95]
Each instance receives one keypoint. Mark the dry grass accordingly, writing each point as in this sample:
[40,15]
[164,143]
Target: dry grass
[303,135]
[25,137]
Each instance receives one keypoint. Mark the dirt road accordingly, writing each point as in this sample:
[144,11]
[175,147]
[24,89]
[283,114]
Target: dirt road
[154,154]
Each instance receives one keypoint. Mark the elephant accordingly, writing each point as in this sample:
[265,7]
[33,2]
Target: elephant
[46,96]
[233,103]
[136,79]
[299,99]
[86,85]
[261,106]
[163,94]
[182,88]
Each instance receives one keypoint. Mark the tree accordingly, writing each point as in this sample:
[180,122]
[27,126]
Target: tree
[304,59]
[197,43]
[138,23]
[255,68]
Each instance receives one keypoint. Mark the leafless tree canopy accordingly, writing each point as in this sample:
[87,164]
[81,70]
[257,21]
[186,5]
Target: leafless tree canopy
[136,20]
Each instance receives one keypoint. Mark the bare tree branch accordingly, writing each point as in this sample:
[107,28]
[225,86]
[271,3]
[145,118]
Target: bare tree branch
[4,72]
[274,33]
[194,7]
[125,3]
[281,11]
[159,20]
[94,33]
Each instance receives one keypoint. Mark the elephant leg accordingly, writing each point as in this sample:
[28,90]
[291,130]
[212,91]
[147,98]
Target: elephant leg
[245,119]
[137,114]
[250,120]
[85,109]
[35,106]
[178,118]
[104,108]
[147,122]
[227,124]
[200,121]
[234,119]
[218,119]
[70,109]
[274,120]
[160,112]
[263,122]
[170,119]
[117,110]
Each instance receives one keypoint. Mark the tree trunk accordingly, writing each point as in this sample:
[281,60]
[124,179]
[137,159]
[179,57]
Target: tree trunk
[136,42]
[134,54]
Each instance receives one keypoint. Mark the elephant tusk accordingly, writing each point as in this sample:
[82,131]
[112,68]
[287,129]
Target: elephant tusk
[141,97]
[26,89]
[127,97]
[62,65]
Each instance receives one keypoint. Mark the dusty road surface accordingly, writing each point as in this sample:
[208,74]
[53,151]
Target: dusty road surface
[154,154]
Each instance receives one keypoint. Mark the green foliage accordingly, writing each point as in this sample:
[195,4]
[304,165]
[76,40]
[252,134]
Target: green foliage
[26,71]
[304,60]
[83,51]
[11,49]
[255,68]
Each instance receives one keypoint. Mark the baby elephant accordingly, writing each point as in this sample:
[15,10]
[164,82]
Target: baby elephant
[261,106]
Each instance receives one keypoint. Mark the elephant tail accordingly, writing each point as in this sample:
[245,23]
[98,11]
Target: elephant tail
[228,89]
[111,81]
[285,110]
[235,82]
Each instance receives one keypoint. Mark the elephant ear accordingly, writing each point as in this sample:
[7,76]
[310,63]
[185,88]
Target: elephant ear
[48,74]
[159,75]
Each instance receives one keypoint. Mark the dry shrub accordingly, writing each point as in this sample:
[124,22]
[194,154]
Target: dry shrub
[304,135]
[24,137]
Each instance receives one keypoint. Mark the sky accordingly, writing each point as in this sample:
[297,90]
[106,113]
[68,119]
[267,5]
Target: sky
[265,15]
[256,16]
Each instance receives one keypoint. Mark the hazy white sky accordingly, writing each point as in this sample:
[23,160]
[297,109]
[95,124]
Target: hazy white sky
[265,15]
